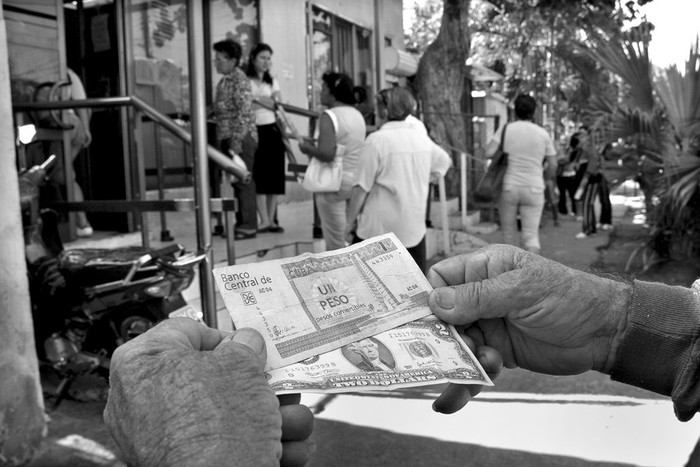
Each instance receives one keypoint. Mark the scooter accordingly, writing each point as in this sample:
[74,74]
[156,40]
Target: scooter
[87,302]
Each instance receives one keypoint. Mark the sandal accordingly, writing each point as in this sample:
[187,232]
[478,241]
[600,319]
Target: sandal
[275,229]
[238,235]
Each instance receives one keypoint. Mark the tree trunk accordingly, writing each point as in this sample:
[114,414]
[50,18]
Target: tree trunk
[22,424]
[441,83]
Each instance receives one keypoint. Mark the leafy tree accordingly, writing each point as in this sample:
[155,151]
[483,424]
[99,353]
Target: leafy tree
[425,27]
[579,59]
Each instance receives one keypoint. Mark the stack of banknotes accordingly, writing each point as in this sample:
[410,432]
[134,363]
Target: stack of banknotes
[347,320]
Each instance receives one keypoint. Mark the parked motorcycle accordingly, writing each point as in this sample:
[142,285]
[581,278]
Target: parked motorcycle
[86,302]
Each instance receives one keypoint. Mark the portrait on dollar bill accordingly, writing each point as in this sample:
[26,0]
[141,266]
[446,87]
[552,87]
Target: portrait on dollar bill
[420,349]
[369,355]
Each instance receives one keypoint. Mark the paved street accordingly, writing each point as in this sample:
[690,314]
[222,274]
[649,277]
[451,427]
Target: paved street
[504,428]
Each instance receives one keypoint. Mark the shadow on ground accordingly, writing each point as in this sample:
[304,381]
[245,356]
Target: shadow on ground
[344,445]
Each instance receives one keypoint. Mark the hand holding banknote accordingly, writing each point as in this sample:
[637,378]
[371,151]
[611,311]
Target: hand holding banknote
[186,394]
[538,314]
[422,352]
[354,319]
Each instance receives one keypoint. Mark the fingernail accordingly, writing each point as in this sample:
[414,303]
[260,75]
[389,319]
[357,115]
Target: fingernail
[445,298]
[250,338]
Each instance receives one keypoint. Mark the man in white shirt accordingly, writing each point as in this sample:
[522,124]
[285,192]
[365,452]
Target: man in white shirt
[393,177]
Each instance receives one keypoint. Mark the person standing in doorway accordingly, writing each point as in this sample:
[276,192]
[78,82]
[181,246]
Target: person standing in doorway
[269,167]
[235,131]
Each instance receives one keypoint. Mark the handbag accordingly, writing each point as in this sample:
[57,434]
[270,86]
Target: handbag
[491,184]
[325,177]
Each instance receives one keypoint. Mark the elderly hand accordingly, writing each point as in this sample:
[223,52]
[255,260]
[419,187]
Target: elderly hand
[538,314]
[186,394]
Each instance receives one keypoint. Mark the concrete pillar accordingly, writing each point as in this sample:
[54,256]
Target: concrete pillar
[22,424]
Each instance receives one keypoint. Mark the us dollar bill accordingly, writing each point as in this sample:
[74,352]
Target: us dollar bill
[422,352]
[314,303]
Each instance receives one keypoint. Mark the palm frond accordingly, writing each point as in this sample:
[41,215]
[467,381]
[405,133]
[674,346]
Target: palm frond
[630,61]
[680,95]
[681,192]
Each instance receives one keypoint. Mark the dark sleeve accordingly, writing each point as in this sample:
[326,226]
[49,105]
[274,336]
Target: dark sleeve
[659,350]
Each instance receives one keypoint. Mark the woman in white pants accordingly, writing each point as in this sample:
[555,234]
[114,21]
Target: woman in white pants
[341,133]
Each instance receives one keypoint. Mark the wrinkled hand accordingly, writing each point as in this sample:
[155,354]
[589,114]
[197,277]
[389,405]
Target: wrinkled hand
[456,396]
[186,394]
[538,314]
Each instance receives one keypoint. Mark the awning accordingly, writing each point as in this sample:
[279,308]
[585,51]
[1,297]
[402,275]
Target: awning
[481,73]
[399,62]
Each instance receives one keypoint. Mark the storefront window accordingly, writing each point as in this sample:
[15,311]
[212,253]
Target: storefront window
[340,46]
[159,32]
[237,20]
[161,67]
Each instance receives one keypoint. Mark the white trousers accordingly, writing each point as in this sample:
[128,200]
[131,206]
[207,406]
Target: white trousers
[529,202]
[332,208]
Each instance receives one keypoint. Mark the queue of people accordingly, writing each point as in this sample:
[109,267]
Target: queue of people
[375,175]
[246,123]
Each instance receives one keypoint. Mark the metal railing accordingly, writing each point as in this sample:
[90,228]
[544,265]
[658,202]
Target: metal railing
[140,206]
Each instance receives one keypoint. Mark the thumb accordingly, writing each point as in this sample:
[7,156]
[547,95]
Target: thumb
[249,340]
[464,304]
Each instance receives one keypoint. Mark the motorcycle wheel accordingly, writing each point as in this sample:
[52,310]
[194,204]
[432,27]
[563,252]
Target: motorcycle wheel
[137,320]
[116,328]
[135,325]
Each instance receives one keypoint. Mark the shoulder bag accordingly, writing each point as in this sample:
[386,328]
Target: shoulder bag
[325,177]
[491,184]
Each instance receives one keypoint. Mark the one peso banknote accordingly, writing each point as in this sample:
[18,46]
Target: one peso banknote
[314,303]
[422,352]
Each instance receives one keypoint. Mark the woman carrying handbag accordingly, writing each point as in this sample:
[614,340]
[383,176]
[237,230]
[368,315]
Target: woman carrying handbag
[341,134]
[527,145]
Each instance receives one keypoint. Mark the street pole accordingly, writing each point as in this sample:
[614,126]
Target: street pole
[21,404]
[198,120]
